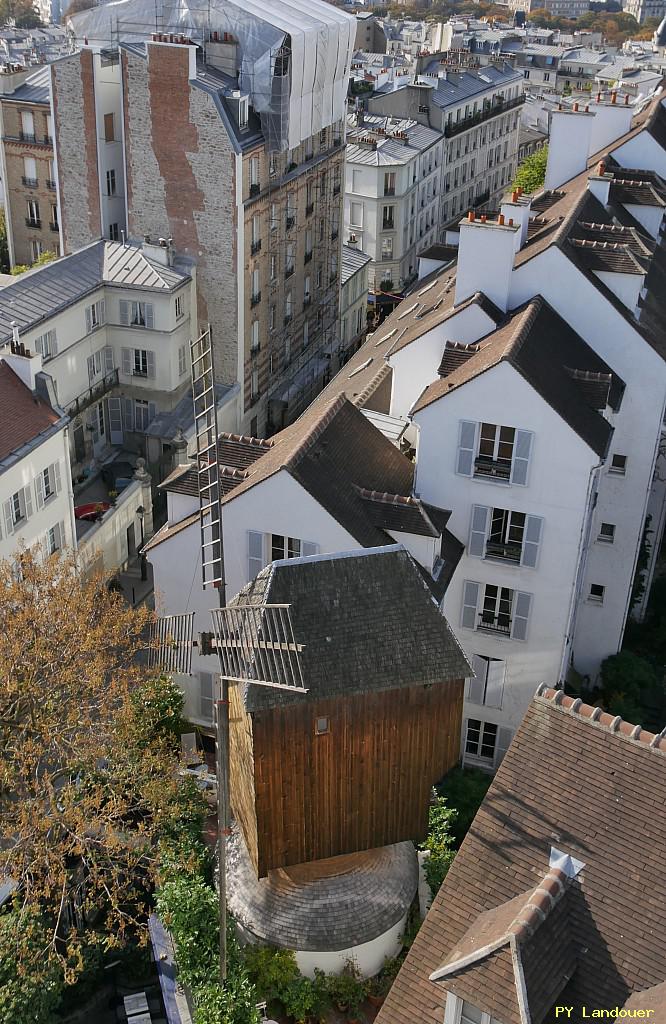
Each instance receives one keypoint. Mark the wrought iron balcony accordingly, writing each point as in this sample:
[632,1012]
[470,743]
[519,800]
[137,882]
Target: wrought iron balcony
[455,128]
[33,222]
[30,182]
[27,137]
[504,550]
[489,622]
[255,247]
[291,220]
[488,467]
[93,393]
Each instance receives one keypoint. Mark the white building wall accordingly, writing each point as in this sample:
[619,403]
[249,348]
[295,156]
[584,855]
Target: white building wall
[642,152]
[108,100]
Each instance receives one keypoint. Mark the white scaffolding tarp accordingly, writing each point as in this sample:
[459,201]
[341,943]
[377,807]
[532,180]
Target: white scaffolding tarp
[320,37]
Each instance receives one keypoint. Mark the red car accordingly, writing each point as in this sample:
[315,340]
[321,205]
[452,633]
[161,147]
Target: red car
[91,512]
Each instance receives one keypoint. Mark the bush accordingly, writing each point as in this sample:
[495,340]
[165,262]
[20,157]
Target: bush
[439,843]
[628,682]
[346,989]
[531,174]
[464,790]
[271,970]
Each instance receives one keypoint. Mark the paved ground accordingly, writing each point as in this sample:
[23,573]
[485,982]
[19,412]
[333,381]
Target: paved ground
[136,590]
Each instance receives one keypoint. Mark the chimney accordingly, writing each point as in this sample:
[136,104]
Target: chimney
[568,146]
[24,363]
[485,259]
[599,183]
[516,209]
[179,447]
[612,120]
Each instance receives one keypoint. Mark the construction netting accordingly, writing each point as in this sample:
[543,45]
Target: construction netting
[294,56]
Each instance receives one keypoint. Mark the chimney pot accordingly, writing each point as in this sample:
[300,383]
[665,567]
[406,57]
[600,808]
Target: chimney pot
[575,106]
[614,96]
[500,219]
[514,196]
[510,221]
[471,216]
[484,218]
[626,99]
[598,97]
[601,168]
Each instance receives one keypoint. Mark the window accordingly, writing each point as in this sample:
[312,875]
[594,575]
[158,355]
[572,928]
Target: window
[272,317]
[494,609]
[30,171]
[32,219]
[46,344]
[387,248]
[495,450]
[140,366]
[254,383]
[111,183]
[501,534]
[357,181]
[136,314]
[306,333]
[27,126]
[114,233]
[289,260]
[274,217]
[607,532]
[254,173]
[487,684]
[288,307]
[596,594]
[389,183]
[284,547]
[255,233]
[480,741]
[388,221]
[254,343]
[17,510]
[54,217]
[95,364]
[144,413]
[618,465]
[242,112]
[356,215]
[256,289]
[306,288]
[206,696]
[95,315]
[487,450]
[322,726]
[182,360]
[54,539]
[109,133]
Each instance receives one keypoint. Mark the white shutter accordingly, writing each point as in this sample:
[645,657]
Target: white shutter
[504,737]
[478,530]
[495,683]
[470,604]
[53,342]
[255,553]
[309,548]
[150,364]
[521,613]
[476,686]
[128,412]
[127,361]
[56,476]
[58,533]
[150,319]
[101,311]
[124,312]
[531,541]
[108,358]
[521,456]
[466,448]
[9,519]
[115,422]
[27,502]
[88,320]
[39,489]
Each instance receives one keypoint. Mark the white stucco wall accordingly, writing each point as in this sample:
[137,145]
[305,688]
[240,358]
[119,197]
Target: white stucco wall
[369,956]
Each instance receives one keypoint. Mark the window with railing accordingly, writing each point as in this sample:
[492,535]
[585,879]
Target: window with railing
[492,608]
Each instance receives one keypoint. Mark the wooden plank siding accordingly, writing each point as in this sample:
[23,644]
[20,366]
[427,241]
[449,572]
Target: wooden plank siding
[241,770]
[364,784]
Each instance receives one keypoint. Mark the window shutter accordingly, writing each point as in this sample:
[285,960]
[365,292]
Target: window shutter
[58,531]
[150,319]
[531,541]
[53,342]
[309,548]
[124,313]
[152,411]
[476,686]
[466,445]
[521,614]
[504,737]
[9,521]
[128,414]
[255,553]
[101,311]
[39,490]
[478,530]
[27,500]
[91,367]
[108,358]
[127,361]
[88,320]
[495,683]
[150,364]
[470,604]
[56,476]
[521,456]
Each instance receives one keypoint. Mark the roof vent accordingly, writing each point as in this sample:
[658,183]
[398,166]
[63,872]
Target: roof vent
[569,865]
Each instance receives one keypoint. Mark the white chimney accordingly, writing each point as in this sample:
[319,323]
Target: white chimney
[612,120]
[516,210]
[599,183]
[568,145]
[24,363]
[485,259]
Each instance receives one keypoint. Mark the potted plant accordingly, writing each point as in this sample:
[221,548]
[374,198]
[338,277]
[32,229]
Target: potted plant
[377,988]
[347,990]
[112,496]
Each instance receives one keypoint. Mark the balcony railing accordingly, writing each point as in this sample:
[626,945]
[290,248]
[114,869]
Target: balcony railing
[492,623]
[287,319]
[388,224]
[289,271]
[27,137]
[48,140]
[390,191]
[255,247]
[455,128]
[93,393]
[33,222]
[504,550]
[30,182]
[496,470]
[54,227]
[50,184]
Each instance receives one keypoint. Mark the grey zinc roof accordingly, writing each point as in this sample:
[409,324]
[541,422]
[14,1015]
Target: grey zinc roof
[35,89]
[353,260]
[389,150]
[459,86]
[368,622]
[44,291]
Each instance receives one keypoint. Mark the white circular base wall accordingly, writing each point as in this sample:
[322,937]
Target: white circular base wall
[368,957]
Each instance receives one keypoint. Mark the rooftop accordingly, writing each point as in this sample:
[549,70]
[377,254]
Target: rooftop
[383,140]
[353,260]
[35,89]
[25,416]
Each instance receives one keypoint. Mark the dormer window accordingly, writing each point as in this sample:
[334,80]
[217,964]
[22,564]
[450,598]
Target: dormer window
[243,109]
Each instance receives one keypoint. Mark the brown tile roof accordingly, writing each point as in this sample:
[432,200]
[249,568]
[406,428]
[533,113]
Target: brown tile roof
[637,242]
[611,257]
[594,787]
[24,415]
[632,192]
[401,513]
[547,352]
[649,999]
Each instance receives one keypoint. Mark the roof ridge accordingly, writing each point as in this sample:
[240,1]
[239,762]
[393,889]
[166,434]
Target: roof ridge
[258,442]
[316,430]
[387,498]
[612,724]
[525,323]
[547,893]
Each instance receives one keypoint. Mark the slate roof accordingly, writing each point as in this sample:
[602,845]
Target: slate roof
[40,293]
[546,351]
[368,622]
[353,260]
[461,85]
[594,787]
[389,150]
[35,89]
[24,415]
[402,513]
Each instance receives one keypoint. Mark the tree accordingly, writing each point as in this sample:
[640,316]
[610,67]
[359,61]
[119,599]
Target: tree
[24,995]
[87,785]
[531,174]
[439,843]
[629,683]
[41,261]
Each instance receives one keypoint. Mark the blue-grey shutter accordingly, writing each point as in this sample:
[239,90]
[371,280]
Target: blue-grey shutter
[150,364]
[309,548]
[531,541]
[495,683]
[152,411]
[255,553]
[478,531]
[128,413]
[27,502]
[466,447]
[127,361]
[124,313]
[206,695]
[476,684]
[53,342]
[56,476]
[115,421]
[521,613]
[521,456]
[150,318]
[470,604]
[504,738]
[108,358]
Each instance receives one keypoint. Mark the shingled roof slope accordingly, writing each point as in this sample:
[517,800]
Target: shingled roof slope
[24,415]
[367,620]
[544,349]
[596,787]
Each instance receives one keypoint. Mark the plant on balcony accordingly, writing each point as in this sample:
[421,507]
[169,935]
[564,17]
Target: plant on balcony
[346,989]
[386,285]
[112,496]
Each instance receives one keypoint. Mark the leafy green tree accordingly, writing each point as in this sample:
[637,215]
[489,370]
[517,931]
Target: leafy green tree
[41,261]
[440,843]
[26,996]
[531,174]
[629,682]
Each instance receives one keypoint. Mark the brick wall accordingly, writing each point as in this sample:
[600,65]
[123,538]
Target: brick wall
[73,91]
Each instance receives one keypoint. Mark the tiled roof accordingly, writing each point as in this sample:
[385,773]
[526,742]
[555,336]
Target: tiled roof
[595,788]
[353,260]
[367,620]
[400,513]
[545,350]
[611,257]
[24,415]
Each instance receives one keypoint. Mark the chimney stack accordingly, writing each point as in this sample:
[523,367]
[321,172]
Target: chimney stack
[612,120]
[24,363]
[486,251]
[568,146]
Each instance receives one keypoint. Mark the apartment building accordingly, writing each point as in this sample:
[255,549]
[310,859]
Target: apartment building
[28,170]
[229,144]
[393,184]
[642,9]
[353,300]
[477,110]
[111,324]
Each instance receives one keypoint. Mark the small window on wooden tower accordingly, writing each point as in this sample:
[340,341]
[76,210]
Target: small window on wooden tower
[322,726]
